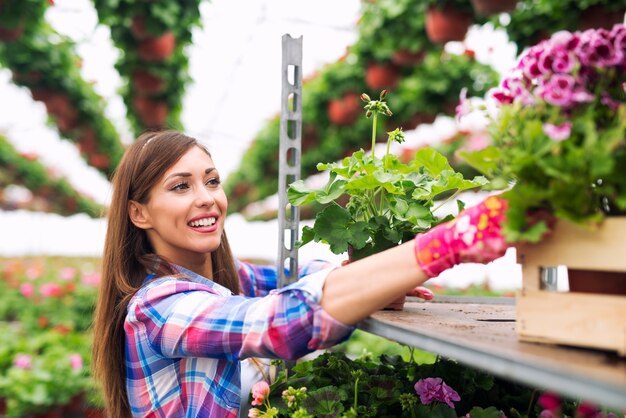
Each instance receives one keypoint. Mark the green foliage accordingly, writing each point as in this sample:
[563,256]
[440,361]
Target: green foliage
[534,20]
[157,18]
[63,198]
[337,386]
[426,88]
[46,63]
[388,201]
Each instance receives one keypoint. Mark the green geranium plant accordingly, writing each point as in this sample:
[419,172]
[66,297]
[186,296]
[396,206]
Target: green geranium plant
[388,201]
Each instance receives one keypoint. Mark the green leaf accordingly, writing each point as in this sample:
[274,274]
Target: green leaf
[485,160]
[432,161]
[335,226]
[490,412]
[325,402]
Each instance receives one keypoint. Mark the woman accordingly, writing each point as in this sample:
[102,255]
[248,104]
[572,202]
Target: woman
[171,328]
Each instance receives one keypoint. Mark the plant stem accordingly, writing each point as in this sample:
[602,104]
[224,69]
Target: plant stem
[374,133]
[356,386]
[446,201]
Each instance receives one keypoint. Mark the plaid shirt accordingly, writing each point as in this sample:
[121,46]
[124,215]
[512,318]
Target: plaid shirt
[185,339]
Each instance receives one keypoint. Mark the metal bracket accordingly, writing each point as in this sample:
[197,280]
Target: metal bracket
[289,157]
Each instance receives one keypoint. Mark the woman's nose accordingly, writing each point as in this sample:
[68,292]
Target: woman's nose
[204,197]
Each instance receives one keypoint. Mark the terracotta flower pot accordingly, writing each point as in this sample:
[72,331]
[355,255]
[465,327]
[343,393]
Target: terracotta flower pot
[11,34]
[152,113]
[100,161]
[158,48]
[447,24]
[145,82]
[138,28]
[87,141]
[380,76]
[491,7]
[598,17]
[344,111]
[405,58]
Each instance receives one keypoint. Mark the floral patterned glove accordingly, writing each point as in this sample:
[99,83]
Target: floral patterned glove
[473,237]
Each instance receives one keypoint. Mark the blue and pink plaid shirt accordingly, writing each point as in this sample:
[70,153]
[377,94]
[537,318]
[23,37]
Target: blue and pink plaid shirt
[185,338]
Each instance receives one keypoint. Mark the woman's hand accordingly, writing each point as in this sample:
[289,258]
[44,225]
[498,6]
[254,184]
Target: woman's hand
[475,236]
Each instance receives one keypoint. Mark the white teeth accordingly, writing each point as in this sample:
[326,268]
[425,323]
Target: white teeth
[203,222]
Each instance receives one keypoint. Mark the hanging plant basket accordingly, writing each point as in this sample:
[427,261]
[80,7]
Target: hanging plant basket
[492,7]
[157,49]
[10,34]
[147,83]
[380,76]
[598,16]
[345,110]
[152,112]
[404,57]
[447,24]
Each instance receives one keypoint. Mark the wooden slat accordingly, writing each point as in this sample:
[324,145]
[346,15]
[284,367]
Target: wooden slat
[602,249]
[580,319]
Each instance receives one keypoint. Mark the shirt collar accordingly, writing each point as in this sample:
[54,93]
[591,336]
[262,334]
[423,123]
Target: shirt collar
[196,278]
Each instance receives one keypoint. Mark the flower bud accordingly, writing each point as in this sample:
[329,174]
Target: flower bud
[365,97]
[368,114]
[383,94]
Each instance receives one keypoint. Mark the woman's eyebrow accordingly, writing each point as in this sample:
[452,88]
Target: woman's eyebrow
[185,174]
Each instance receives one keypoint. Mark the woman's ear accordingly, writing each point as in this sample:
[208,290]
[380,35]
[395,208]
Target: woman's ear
[139,215]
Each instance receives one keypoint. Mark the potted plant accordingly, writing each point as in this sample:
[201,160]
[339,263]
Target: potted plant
[448,20]
[389,202]
[559,138]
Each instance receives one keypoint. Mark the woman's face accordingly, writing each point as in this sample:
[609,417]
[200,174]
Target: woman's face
[184,216]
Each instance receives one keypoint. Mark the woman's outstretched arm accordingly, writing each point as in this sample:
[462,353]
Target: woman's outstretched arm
[356,290]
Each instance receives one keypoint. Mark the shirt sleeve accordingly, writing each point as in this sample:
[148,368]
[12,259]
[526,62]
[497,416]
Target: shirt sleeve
[259,280]
[187,319]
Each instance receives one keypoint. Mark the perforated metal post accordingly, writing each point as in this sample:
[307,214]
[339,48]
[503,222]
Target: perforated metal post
[289,157]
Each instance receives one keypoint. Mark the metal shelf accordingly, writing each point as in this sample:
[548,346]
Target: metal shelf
[480,333]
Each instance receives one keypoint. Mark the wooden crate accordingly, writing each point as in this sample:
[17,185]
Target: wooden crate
[574,318]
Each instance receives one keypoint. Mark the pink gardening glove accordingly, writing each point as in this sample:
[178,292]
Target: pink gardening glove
[473,237]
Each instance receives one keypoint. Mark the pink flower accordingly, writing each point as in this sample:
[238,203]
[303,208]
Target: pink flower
[260,392]
[33,272]
[463,108]
[51,290]
[434,389]
[546,414]
[67,273]
[549,401]
[558,132]
[91,279]
[76,361]
[23,361]
[27,289]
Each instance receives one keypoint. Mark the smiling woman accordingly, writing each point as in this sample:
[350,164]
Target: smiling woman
[176,314]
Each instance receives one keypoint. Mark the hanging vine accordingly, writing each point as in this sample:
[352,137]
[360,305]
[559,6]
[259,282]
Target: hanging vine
[58,193]
[152,37]
[46,63]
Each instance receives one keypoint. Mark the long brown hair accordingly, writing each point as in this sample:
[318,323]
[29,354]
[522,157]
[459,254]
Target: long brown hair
[128,256]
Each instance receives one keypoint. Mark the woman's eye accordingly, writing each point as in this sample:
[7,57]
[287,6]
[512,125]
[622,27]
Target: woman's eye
[213,182]
[180,186]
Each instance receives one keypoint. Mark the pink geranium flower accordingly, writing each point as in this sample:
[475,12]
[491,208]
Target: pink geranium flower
[51,290]
[23,361]
[260,392]
[558,132]
[549,401]
[76,361]
[435,389]
[67,273]
[27,290]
